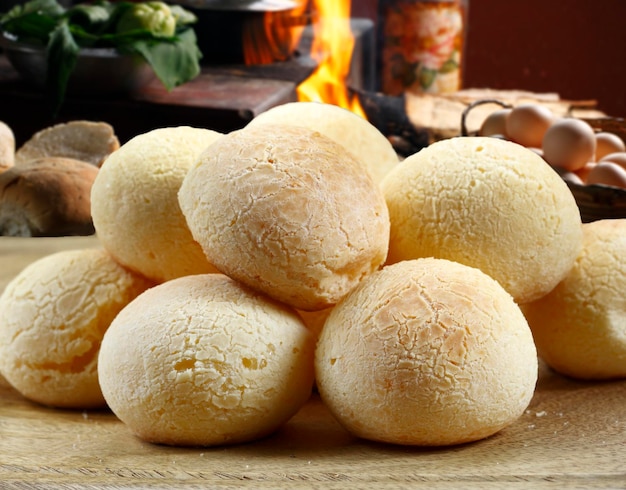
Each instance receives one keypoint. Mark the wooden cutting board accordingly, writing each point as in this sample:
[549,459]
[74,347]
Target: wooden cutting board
[573,435]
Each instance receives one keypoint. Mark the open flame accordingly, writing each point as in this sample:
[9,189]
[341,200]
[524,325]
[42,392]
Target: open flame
[333,44]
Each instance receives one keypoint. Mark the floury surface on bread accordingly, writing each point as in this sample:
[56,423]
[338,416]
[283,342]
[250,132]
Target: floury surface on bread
[287,211]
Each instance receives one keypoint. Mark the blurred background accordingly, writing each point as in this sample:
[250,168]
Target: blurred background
[572,47]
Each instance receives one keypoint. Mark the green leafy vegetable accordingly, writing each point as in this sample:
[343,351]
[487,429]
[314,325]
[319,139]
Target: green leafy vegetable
[62,54]
[176,62]
[155,17]
[161,34]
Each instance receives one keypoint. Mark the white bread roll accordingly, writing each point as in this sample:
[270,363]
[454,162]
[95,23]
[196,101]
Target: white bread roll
[135,205]
[369,146]
[202,360]
[580,326]
[426,352]
[286,211]
[53,315]
[487,203]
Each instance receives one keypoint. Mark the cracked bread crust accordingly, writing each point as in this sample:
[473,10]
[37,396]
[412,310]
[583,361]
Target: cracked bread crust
[368,145]
[580,326]
[286,211]
[52,319]
[135,206]
[487,203]
[426,352]
[203,360]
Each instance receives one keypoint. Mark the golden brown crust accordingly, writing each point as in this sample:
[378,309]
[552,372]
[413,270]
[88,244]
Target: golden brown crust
[580,326]
[203,360]
[52,319]
[88,141]
[286,211]
[47,197]
[487,203]
[426,352]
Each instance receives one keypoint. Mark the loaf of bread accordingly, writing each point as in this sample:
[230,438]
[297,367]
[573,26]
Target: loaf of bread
[88,141]
[48,196]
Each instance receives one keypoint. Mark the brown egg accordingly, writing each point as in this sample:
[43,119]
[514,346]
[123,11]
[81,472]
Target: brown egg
[495,123]
[568,176]
[608,173]
[583,173]
[608,143]
[618,157]
[572,177]
[569,143]
[527,123]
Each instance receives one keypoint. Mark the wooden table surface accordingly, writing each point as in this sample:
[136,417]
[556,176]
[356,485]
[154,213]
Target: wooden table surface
[573,435]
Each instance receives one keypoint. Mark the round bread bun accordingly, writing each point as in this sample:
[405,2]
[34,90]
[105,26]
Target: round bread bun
[487,203]
[135,206]
[88,141]
[7,147]
[203,360]
[53,315]
[426,352]
[580,326]
[47,197]
[287,211]
[363,139]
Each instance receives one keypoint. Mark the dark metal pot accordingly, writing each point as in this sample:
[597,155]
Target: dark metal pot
[226,27]
[98,71]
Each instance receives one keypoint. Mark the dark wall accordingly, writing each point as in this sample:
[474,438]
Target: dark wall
[576,48]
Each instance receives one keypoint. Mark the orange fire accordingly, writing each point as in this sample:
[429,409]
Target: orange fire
[332,47]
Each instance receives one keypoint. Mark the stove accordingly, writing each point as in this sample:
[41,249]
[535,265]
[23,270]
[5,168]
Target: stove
[224,97]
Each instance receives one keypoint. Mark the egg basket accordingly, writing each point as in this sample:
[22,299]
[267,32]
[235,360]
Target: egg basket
[594,201]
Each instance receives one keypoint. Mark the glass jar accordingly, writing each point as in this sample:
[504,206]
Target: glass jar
[421,44]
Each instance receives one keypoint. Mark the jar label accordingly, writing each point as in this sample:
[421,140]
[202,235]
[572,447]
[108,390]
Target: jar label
[421,47]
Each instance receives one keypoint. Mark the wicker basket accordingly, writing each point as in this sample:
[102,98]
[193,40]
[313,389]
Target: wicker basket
[601,201]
